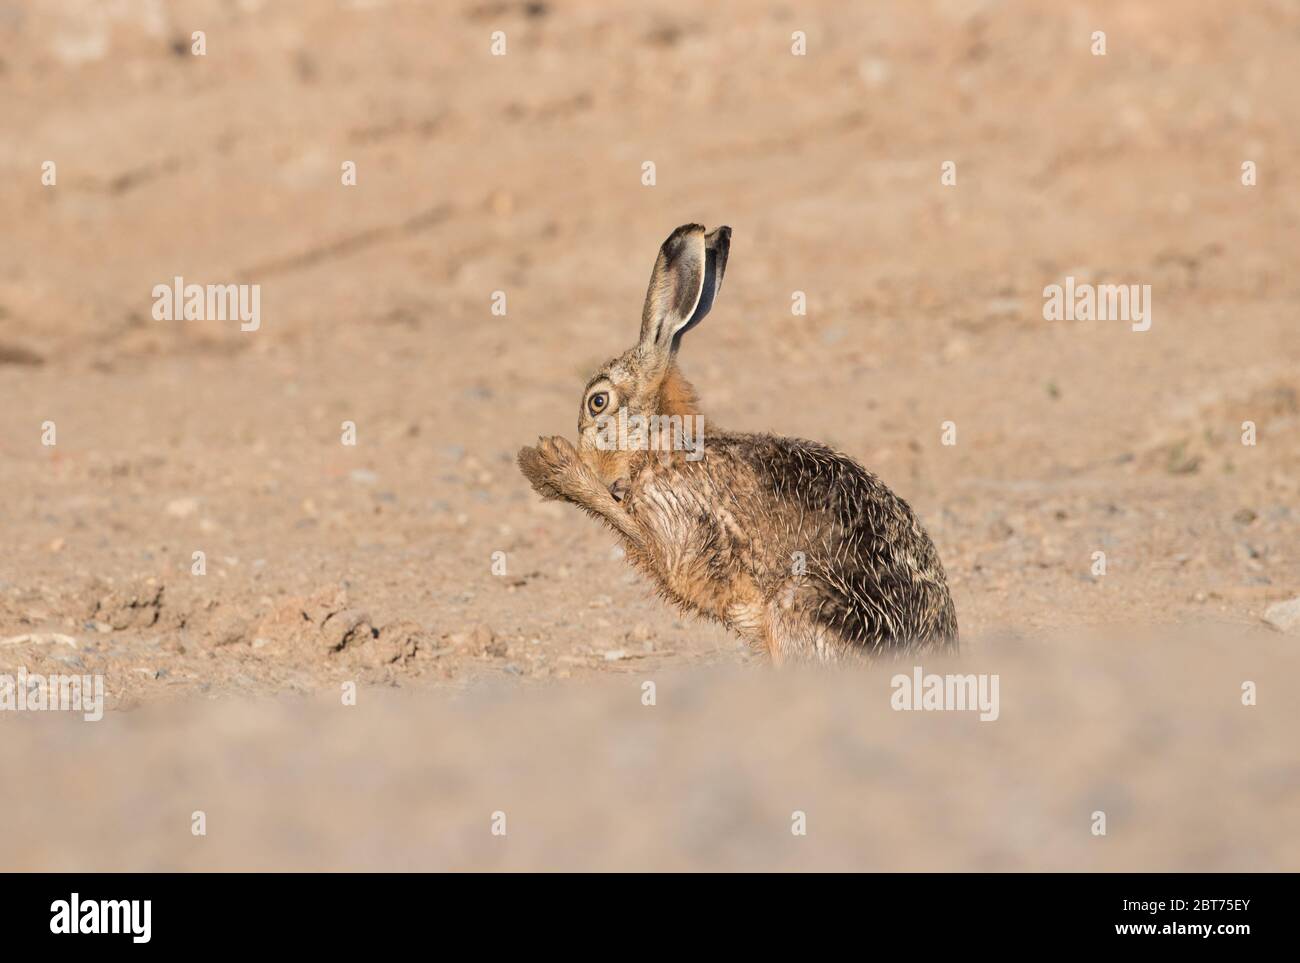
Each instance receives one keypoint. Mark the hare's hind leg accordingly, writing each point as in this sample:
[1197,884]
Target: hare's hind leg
[775,642]
[794,635]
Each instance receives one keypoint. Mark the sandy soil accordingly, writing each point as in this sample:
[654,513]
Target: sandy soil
[328,564]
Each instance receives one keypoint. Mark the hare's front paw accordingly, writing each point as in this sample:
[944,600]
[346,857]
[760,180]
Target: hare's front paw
[551,468]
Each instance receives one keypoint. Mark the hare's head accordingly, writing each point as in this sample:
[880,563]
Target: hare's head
[644,382]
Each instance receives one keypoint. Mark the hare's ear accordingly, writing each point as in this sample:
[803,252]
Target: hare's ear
[686,278]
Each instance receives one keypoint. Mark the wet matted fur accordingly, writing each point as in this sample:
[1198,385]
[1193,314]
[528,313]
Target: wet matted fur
[794,546]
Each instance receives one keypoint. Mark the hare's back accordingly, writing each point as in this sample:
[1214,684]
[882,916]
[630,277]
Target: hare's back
[874,573]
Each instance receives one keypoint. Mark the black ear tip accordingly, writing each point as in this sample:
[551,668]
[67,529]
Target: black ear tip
[676,241]
[683,231]
[718,244]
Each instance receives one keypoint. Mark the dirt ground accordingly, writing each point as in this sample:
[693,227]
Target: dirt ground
[379,563]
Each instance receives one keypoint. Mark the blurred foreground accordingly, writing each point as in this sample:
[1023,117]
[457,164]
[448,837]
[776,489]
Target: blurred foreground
[1154,735]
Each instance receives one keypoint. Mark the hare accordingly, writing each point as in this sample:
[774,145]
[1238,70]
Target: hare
[793,546]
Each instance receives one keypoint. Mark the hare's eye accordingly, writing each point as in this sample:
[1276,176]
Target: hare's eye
[597,402]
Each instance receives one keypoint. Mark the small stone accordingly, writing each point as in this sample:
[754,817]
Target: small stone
[345,627]
[397,642]
[874,72]
[955,349]
[480,640]
[227,627]
[615,655]
[1284,616]
[182,507]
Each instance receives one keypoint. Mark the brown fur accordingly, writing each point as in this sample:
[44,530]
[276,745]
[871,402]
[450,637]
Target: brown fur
[795,547]
[676,395]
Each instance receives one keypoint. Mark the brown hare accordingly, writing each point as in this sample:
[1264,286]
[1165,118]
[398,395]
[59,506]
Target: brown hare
[794,546]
